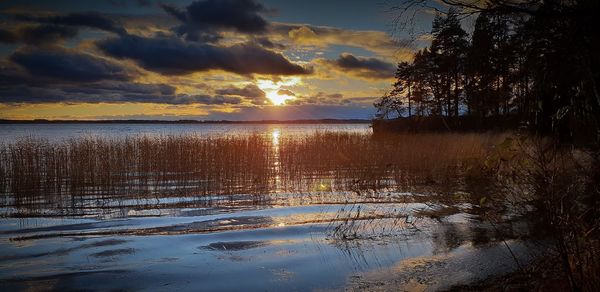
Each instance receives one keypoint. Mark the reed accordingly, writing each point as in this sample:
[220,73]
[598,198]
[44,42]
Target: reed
[35,170]
[404,162]
[76,172]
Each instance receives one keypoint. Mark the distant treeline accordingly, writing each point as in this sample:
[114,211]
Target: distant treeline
[533,61]
[319,121]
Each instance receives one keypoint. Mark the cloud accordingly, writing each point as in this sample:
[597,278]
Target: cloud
[123,87]
[173,56]
[305,36]
[250,92]
[203,20]
[285,92]
[378,42]
[319,98]
[46,34]
[267,43]
[368,68]
[61,64]
[108,92]
[124,3]
[38,35]
[8,37]
[83,19]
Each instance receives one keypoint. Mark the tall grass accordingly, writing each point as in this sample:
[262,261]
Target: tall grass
[405,162]
[34,171]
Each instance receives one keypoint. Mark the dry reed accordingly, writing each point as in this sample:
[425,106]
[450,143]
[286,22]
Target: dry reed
[405,162]
[34,171]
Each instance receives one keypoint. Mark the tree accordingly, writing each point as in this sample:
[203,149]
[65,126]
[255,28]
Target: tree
[542,55]
[388,105]
[479,67]
[448,47]
[405,78]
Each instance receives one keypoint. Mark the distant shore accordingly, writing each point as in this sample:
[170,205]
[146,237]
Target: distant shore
[306,121]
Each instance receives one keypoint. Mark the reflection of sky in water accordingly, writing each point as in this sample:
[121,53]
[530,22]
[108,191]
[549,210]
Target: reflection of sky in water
[279,256]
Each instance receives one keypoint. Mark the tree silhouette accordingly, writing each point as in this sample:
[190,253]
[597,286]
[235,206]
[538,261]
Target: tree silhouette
[535,61]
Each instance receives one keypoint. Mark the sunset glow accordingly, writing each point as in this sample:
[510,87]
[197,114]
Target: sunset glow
[278,99]
[171,61]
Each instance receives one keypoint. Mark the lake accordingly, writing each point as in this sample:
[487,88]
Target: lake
[10,132]
[269,207]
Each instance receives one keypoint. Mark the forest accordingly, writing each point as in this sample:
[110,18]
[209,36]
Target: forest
[535,62]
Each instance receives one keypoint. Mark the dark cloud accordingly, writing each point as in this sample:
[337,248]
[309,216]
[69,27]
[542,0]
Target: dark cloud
[38,34]
[123,88]
[250,90]
[202,20]
[83,19]
[94,84]
[46,34]
[177,57]
[124,3]
[180,99]
[108,92]
[117,3]
[8,37]
[265,42]
[144,2]
[69,66]
[370,68]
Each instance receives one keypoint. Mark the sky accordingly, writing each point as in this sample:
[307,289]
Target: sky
[202,60]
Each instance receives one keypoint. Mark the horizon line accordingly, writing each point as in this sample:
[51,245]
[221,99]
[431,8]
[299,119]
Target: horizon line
[185,121]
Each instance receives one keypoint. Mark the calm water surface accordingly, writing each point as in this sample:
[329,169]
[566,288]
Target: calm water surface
[280,242]
[10,132]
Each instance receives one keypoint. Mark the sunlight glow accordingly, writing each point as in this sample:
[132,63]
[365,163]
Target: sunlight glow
[272,89]
[278,99]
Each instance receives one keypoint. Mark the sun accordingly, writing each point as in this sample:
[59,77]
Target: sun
[278,99]
[274,92]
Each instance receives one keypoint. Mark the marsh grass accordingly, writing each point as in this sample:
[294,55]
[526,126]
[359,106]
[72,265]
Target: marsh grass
[34,170]
[83,171]
[404,162]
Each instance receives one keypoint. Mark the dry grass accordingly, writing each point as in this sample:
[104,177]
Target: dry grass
[405,162]
[34,171]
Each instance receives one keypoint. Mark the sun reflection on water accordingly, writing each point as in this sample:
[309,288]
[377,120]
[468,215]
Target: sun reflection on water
[275,137]
[275,142]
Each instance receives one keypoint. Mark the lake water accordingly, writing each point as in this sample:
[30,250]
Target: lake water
[277,241]
[11,132]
